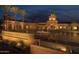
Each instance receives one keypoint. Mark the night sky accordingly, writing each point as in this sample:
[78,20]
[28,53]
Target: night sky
[40,13]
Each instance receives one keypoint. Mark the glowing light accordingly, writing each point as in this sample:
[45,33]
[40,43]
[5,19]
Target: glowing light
[18,44]
[50,19]
[17,37]
[63,49]
[75,27]
[56,27]
[27,27]
[64,27]
[53,18]
[60,27]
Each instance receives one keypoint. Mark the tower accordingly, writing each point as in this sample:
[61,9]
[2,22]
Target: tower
[52,18]
[52,22]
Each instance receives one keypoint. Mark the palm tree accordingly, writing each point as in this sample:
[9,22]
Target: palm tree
[6,9]
[23,13]
[14,10]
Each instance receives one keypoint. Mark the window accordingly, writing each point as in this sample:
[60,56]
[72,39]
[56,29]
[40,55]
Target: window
[74,27]
[56,27]
[27,26]
[53,19]
[60,27]
[64,27]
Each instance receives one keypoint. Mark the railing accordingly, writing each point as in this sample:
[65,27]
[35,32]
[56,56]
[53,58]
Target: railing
[59,35]
[56,35]
[51,45]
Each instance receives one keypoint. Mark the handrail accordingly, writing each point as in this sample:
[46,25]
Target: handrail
[16,37]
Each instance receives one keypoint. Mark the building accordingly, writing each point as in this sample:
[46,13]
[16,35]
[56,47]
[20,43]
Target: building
[52,24]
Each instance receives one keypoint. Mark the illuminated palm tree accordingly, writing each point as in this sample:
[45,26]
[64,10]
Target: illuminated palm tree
[23,13]
[14,10]
[6,9]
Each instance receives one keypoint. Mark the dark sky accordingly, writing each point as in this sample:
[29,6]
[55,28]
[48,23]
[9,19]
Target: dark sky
[40,13]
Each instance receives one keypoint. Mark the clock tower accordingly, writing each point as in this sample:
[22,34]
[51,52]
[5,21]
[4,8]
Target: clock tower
[52,22]
[52,17]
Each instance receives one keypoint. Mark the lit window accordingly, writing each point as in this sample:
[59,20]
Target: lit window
[53,18]
[60,27]
[75,27]
[56,27]
[51,24]
[64,27]
[27,27]
[50,19]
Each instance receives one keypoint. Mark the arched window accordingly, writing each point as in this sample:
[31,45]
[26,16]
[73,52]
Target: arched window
[10,27]
[75,27]
[61,27]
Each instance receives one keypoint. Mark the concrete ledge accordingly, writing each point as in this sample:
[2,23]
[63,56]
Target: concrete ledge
[43,50]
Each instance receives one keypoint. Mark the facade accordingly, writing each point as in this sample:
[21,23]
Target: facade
[51,24]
